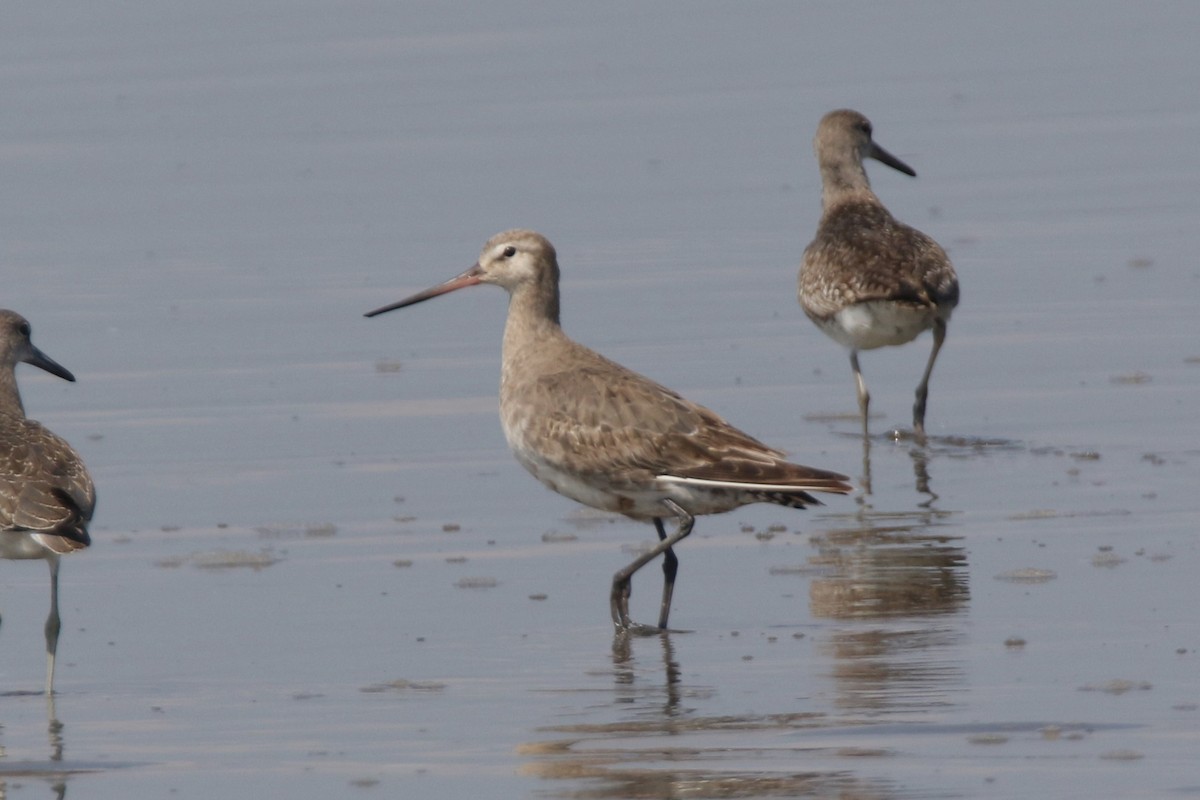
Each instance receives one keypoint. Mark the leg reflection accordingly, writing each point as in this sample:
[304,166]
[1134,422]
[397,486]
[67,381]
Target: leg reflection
[54,729]
[626,672]
[865,482]
[920,459]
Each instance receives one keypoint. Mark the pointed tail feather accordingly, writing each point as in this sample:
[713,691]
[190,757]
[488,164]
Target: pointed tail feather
[789,499]
[62,541]
[70,534]
[794,491]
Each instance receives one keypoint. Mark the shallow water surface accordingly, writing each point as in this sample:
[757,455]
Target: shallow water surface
[317,570]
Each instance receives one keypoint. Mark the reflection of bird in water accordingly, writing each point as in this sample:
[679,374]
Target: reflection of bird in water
[899,585]
[608,437]
[868,280]
[893,565]
[661,736]
[46,494]
[920,456]
[887,565]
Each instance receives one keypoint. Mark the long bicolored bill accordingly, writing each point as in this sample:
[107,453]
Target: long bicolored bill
[39,359]
[879,154]
[469,278]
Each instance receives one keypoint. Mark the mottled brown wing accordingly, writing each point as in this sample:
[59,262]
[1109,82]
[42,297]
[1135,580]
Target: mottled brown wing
[604,419]
[862,253]
[44,486]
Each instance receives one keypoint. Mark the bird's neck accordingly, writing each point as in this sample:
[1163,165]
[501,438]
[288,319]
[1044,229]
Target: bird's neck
[532,317]
[844,181]
[10,397]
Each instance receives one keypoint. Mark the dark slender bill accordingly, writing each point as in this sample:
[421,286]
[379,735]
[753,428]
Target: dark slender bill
[469,278]
[879,154]
[39,359]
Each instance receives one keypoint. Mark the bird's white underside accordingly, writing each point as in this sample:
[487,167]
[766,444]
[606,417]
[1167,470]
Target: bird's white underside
[696,496]
[865,326]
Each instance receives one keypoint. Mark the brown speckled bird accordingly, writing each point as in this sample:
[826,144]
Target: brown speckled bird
[608,437]
[46,494]
[868,280]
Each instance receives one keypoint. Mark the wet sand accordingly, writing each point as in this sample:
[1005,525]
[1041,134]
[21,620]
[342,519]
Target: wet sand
[316,569]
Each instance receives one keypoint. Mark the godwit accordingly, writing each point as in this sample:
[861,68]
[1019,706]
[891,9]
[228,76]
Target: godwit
[46,494]
[608,437]
[868,280]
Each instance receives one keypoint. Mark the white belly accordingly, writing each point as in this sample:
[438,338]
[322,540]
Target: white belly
[639,500]
[865,326]
[20,545]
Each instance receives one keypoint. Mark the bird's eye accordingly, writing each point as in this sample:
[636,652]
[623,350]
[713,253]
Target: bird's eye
[510,251]
[23,329]
[865,127]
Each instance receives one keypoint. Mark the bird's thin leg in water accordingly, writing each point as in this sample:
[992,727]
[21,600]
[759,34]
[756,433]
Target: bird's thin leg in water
[621,584]
[618,602]
[939,336]
[53,625]
[670,569]
[864,397]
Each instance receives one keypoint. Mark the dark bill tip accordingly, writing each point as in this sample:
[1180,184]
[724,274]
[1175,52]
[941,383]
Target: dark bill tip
[39,359]
[471,277]
[879,154]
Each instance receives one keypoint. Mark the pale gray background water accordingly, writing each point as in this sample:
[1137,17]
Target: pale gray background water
[199,201]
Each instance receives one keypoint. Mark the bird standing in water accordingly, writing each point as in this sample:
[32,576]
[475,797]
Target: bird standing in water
[46,495]
[868,280]
[609,438]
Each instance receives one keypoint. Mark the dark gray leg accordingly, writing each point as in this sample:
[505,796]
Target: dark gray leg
[864,397]
[618,602]
[670,569]
[53,625]
[622,580]
[939,336]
